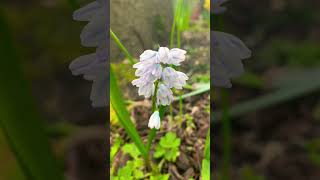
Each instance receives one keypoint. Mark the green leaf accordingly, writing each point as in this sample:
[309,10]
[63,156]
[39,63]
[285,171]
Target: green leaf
[303,83]
[127,170]
[205,168]
[202,89]
[168,147]
[172,154]
[169,140]
[176,143]
[205,171]
[20,121]
[132,150]
[123,115]
[138,163]
[115,148]
[160,177]
[159,151]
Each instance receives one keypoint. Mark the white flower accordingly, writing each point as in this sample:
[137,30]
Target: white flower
[163,55]
[153,66]
[145,86]
[229,51]
[93,66]
[173,78]
[154,121]
[154,70]
[164,95]
[176,56]
[149,56]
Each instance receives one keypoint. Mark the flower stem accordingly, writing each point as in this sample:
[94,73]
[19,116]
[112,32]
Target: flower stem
[153,131]
[121,46]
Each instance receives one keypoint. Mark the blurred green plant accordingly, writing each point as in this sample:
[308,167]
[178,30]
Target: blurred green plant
[21,123]
[248,173]
[313,148]
[168,147]
[181,20]
[284,52]
[288,89]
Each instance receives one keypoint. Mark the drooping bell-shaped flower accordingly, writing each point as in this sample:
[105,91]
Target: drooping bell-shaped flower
[154,121]
[226,61]
[174,79]
[176,56]
[93,66]
[164,95]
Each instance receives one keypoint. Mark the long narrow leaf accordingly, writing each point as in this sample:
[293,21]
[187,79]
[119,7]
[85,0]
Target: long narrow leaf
[19,119]
[296,89]
[118,104]
[202,89]
[205,169]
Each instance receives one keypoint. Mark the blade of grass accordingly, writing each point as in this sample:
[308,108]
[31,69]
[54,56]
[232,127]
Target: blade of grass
[203,89]
[226,133]
[124,118]
[20,121]
[304,87]
[121,47]
[205,169]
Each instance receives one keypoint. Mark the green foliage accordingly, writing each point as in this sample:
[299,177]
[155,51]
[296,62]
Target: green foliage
[168,147]
[248,173]
[160,177]
[313,148]
[200,89]
[289,90]
[284,52]
[203,78]
[205,171]
[115,148]
[123,115]
[20,121]
[205,168]
[132,150]
[250,80]
[132,170]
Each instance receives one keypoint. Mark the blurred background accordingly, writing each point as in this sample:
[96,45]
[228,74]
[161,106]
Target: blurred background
[44,39]
[267,125]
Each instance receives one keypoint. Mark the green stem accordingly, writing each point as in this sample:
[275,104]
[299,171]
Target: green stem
[172,31]
[121,46]
[178,37]
[153,131]
[180,108]
[226,131]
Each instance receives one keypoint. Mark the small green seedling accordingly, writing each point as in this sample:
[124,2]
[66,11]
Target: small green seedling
[168,147]
[132,170]
[132,150]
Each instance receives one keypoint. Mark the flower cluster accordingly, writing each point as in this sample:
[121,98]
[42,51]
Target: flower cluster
[228,52]
[154,70]
[93,66]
